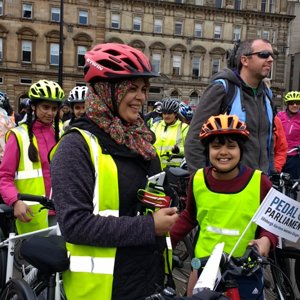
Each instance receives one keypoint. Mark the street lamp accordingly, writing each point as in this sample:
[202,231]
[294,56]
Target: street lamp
[61,44]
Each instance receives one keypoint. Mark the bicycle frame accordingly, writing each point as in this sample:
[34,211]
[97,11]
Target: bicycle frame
[11,241]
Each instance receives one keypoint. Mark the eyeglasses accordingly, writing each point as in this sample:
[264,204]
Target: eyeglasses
[293,102]
[262,54]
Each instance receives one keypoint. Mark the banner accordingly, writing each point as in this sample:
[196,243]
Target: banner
[280,215]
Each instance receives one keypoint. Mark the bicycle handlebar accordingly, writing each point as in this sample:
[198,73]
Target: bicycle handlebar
[44,201]
[295,149]
[245,264]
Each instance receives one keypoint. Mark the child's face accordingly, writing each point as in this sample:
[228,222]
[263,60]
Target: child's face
[224,157]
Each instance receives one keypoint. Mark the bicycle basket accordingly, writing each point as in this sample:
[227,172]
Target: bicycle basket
[48,254]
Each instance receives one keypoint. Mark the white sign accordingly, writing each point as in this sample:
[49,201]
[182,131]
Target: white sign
[280,215]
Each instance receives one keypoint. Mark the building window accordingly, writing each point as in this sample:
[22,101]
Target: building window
[156,60]
[196,67]
[26,51]
[215,65]
[176,70]
[137,24]
[198,2]
[217,31]
[272,6]
[81,50]
[1,7]
[198,30]
[55,14]
[237,4]
[158,26]
[1,49]
[179,1]
[236,33]
[265,34]
[115,21]
[218,3]
[54,54]
[83,17]
[26,81]
[273,38]
[178,28]
[194,99]
[27,11]
[268,6]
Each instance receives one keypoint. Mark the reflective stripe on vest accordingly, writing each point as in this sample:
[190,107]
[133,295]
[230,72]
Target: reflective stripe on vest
[223,217]
[29,180]
[97,265]
[91,268]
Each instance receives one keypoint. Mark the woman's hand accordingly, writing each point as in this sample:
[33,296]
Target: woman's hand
[262,244]
[22,211]
[164,219]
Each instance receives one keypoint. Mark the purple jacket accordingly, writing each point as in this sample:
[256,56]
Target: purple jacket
[291,125]
[46,140]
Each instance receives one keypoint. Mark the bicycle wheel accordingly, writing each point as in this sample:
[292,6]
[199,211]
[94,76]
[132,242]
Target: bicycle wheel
[297,273]
[17,289]
[184,253]
[278,285]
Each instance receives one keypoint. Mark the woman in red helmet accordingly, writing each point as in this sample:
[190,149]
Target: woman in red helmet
[115,252]
[224,197]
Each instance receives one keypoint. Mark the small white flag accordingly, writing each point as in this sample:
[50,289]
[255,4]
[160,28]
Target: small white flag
[280,215]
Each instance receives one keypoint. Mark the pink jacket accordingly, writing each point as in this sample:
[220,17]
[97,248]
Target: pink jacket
[46,140]
[291,125]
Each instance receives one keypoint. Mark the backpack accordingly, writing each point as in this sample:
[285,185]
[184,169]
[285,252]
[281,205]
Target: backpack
[232,99]
[232,90]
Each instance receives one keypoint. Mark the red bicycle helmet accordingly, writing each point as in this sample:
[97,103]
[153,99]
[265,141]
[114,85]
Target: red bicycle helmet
[223,124]
[114,61]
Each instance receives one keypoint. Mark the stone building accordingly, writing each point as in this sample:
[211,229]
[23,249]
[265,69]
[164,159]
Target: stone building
[186,40]
[293,49]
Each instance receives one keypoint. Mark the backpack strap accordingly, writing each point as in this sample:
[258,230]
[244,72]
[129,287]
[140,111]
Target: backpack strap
[231,91]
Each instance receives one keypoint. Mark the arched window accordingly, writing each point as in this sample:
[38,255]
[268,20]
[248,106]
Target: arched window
[52,38]
[82,42]
[27,41]
[194,99]
[157,52]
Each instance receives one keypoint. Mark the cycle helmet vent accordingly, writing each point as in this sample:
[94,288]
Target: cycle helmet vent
[223,124]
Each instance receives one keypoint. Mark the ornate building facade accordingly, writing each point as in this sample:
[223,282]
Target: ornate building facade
[186,40]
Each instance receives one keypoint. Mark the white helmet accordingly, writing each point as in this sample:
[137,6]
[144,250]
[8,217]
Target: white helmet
[78,94]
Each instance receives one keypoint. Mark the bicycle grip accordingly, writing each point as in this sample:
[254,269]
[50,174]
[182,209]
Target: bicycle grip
[46,202]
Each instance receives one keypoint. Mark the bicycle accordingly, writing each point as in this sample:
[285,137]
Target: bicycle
[161,192]
[287,258]
[178,179]
[225,281]
[8,249]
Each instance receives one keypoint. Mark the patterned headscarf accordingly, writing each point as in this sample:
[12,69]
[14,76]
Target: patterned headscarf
[100,109]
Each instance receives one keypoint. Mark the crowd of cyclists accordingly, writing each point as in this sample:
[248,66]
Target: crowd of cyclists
[91,150]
